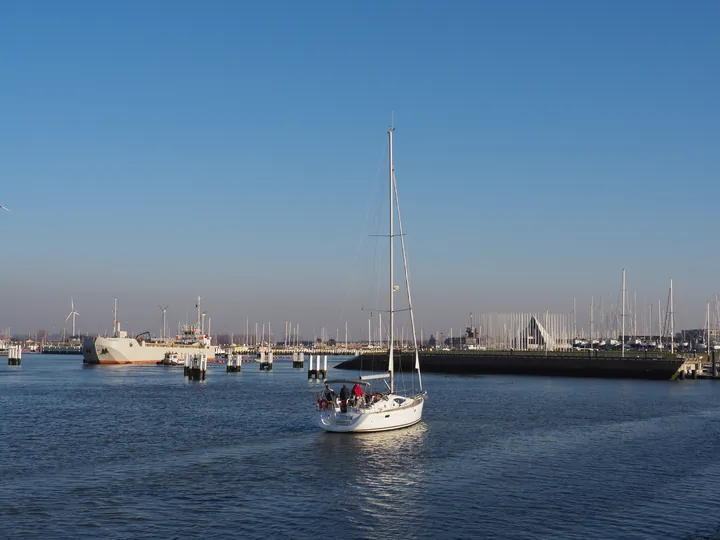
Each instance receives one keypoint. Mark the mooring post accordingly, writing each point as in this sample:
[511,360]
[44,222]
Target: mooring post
[311,371]
[322,373]
[15,355]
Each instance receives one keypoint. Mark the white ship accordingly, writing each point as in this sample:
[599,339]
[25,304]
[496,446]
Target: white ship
[121,349]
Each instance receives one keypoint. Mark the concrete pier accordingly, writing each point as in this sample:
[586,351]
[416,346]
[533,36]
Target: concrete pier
[605,364]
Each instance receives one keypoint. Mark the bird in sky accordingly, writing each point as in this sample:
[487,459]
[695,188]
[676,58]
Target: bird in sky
[4,207]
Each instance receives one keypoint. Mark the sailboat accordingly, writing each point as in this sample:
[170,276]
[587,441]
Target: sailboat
[388,408]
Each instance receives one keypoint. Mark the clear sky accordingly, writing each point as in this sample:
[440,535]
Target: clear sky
[161,150]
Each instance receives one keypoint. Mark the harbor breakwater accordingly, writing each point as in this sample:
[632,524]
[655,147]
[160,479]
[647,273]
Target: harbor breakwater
[604,364]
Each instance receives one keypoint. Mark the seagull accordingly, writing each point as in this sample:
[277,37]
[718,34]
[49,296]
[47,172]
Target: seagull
[4,207]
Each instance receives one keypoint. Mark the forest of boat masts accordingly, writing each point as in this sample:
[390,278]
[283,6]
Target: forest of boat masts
[623,324]
[512,331]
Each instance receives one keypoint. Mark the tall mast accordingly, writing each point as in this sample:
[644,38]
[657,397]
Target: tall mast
[574,328]
[660,328]
[672,322]
[198,313]
[592,309]
[622,316]
[392,264]
[115,321]
[707,331]
[635,315]
[380,329]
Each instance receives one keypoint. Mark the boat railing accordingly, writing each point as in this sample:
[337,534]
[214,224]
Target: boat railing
[357,403]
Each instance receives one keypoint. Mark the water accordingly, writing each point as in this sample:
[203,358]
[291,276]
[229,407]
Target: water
[138,452]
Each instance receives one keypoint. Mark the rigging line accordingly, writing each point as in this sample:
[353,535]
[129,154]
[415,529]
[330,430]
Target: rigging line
[361,240]
[407,279]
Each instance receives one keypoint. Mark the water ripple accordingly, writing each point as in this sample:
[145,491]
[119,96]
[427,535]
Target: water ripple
[139,452]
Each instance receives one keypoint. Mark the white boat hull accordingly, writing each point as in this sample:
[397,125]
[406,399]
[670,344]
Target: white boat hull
[385,415]
[125,350]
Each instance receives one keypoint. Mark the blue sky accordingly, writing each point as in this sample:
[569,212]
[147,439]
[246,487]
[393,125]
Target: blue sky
[155,151]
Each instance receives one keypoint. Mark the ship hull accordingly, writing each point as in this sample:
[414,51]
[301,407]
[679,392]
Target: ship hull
[124,350]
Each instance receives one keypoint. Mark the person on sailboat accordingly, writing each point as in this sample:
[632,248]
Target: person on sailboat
[329,393]
[357,393]
[344,396]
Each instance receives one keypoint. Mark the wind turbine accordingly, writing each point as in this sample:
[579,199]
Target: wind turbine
[72,314]
[164,310]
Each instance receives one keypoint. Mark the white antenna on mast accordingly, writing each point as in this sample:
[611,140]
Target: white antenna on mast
[72,314]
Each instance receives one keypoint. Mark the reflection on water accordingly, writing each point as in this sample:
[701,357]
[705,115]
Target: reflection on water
[380,472]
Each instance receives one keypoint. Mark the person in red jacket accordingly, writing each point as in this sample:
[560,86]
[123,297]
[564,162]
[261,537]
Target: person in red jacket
[357,393]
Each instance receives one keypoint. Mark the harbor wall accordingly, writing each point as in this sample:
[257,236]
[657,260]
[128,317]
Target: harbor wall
[567,364]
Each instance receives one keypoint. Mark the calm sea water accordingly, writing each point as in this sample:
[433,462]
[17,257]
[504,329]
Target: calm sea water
[138,452]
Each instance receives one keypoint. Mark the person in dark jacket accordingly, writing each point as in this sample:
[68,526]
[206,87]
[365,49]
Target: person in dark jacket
[344,396]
